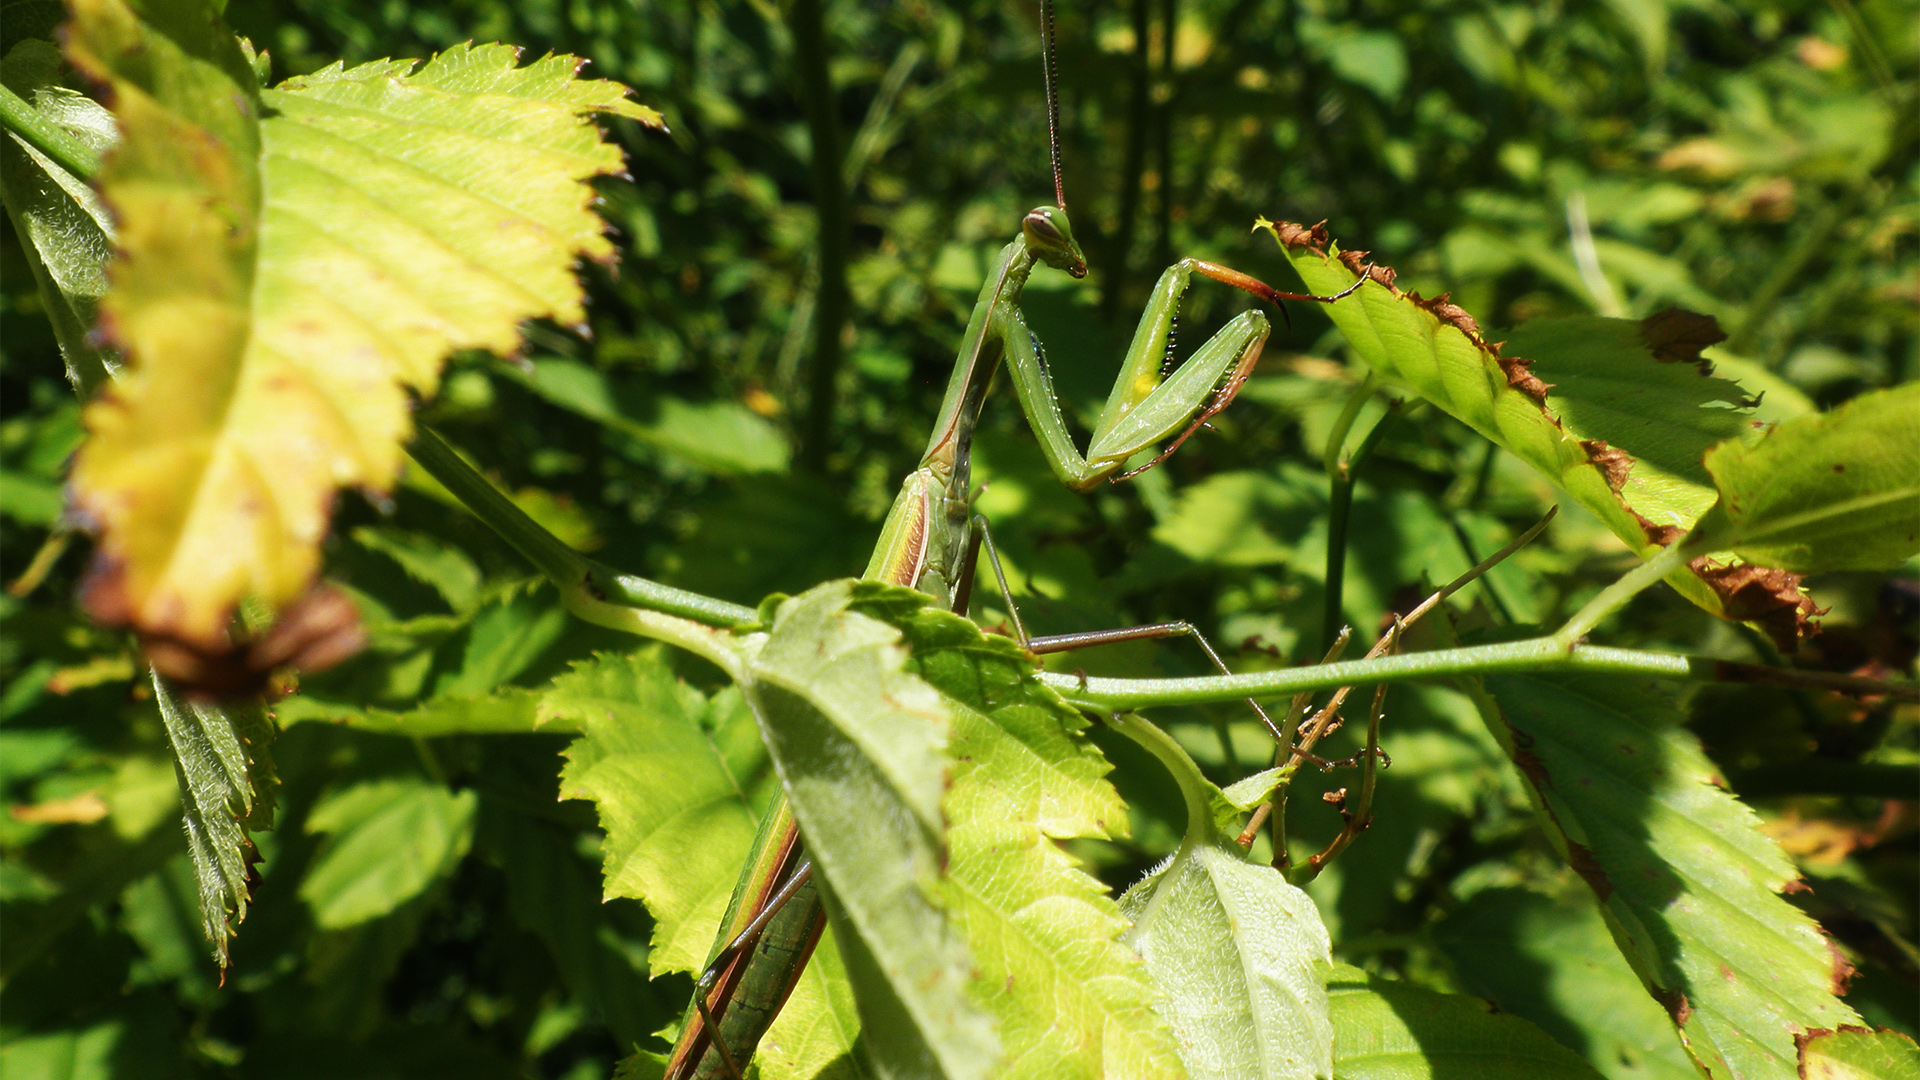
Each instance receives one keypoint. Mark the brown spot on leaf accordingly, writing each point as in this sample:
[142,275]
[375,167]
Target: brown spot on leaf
[1676,336]
[1842,970]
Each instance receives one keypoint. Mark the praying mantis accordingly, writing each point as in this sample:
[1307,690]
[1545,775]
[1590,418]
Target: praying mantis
[931,541]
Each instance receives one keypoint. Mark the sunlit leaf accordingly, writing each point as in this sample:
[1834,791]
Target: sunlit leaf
[1070,1000]
[1829,491]
[679,781]
[278,290]
[1856,1053]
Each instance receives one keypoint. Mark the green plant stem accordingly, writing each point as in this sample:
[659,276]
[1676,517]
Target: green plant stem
[1194,788]
[1616,595]
[1340,502]
[584,581]
[1534,654]
[22,119]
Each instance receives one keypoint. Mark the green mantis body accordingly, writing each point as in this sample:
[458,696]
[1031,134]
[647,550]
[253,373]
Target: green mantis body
[930,541]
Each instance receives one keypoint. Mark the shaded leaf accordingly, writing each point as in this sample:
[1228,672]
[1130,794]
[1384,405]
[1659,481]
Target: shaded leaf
[388,841]
[279,289]
[226,787]
[1242,958]
[1686,881]
[725,437]
[1832,491]
[860,748]
[1385,1030]
[1550,960]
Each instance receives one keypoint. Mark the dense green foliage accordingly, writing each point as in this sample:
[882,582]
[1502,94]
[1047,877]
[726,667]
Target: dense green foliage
[426,903]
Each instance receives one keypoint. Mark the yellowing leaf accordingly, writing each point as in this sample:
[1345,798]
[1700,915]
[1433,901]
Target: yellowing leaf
[291,263]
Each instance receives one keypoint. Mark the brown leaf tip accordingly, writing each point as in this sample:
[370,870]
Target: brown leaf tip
[1297,237]
[1676,336]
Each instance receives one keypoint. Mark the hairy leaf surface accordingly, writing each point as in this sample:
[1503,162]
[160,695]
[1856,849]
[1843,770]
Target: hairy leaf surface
[1243,959]
[65,230]
[1686,881]
[291,262]
[227,781]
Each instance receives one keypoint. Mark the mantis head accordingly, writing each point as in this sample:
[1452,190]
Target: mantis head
[1050,239]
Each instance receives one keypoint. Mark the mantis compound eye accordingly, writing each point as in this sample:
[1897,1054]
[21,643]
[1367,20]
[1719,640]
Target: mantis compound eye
[1051,238]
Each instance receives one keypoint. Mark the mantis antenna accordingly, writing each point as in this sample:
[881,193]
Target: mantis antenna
[1051,66]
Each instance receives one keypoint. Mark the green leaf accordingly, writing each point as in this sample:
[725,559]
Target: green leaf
[1855,1053]
[1617,413]
[1243,795]
[860,748]
[1686,881]
[1385,1030]
[430,561]
[724,437]
[226,785]
[1243,959]
[509,711]
[67,232]
[1551,960]
[388,841]
[679,781]
[1070,1000]
[280,291]
[1832,491]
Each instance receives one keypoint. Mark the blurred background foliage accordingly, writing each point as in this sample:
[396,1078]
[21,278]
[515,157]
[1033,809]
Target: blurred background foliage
[761,369]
